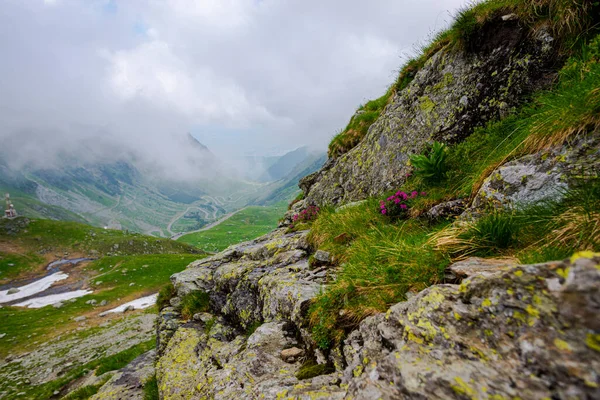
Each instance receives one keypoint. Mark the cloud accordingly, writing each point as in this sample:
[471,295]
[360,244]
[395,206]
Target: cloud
[245,76]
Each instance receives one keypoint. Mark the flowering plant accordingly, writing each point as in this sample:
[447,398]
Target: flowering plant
[308,214]
[398,204]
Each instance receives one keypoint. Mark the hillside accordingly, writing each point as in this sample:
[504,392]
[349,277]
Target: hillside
[447,249]
[88,273]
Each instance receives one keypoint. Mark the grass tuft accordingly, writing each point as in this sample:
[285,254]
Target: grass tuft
[193,303]
[165,295]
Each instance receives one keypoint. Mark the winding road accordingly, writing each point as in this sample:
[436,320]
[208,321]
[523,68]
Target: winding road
[209,226]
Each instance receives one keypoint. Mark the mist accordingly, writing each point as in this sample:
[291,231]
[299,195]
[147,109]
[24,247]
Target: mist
[106,80]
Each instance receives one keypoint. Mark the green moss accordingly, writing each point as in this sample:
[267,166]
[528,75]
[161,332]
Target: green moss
[310,369]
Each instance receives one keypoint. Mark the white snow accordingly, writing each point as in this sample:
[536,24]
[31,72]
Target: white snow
[43,301]
[138,304]
[32,288]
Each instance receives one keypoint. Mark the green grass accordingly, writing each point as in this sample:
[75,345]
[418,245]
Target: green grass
[248,224]
[13,265]
[380,262]
[86,392]
[151,389]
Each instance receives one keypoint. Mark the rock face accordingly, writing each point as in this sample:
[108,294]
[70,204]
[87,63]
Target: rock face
[452,94]
[506,331]
[540,177]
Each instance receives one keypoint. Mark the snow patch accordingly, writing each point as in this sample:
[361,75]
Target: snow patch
[43,301]
[32,288]
[138,304]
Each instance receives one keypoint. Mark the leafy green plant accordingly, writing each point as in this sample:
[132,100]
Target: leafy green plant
[193,303]
[431,166]
[165,295]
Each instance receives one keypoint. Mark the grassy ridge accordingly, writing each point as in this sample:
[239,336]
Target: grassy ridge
[247,224]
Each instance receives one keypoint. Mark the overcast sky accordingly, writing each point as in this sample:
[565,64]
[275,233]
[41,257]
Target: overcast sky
[244,76]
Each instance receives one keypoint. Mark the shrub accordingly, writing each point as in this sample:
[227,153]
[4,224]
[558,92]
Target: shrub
[165,295]
[193,303]
[306,215]
[398,205]
[432,167]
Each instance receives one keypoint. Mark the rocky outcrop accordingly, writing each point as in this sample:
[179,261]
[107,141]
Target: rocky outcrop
[452,94]
[541,177]
[128,383]
[259,296]
[505,331]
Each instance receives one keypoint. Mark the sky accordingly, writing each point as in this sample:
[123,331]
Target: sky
[130,78]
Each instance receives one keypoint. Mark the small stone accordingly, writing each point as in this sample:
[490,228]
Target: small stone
[2,335]
[56,393]
[58,305]
[132,284]
[11,265]
[91,302]
[12,291]
[128,308]
[323,257]
[464,101]
[292,354]
[103,303]
[98,283]
[79,319]
[509,17]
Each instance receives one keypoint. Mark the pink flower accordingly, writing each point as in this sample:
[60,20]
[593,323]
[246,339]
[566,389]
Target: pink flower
[397,201]
[414,193]
[383,211]
[403,206]
[423,194]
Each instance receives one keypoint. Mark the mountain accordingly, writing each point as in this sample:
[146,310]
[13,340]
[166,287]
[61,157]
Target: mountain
[118,195]
[284,165]
[286,187]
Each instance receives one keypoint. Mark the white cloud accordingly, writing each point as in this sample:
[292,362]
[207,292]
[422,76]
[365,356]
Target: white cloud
[245,75]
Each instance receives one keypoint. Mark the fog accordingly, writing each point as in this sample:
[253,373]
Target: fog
[102,80]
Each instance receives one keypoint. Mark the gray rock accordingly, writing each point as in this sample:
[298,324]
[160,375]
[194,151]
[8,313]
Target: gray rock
[291,355]
[12,291]
[446,210]
[79,319]
[91,302]
[2,335]
[103,303]
[544,176]
[323,257]
[128,308]
[58,305]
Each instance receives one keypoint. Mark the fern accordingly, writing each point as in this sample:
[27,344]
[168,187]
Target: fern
[432,167]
